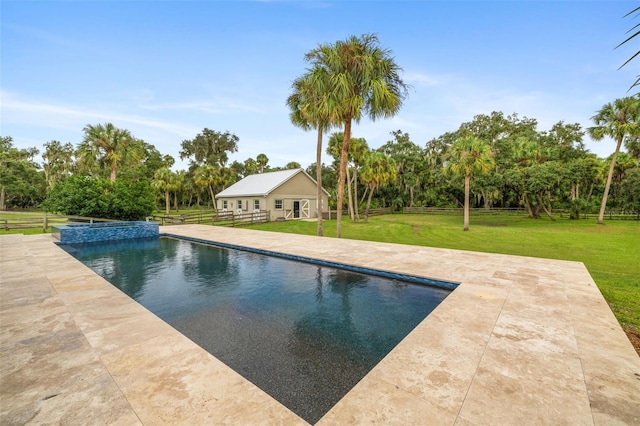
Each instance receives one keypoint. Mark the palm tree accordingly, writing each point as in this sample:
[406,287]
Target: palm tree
[309,109]
[618,120]
[58,162]
[378,169]
[179,182]
[468,156]
[250,167]
[635,31]
[334,148]
[261,161]
[104,144]
[358,151]
[207,176]
[164,180]
[362,79]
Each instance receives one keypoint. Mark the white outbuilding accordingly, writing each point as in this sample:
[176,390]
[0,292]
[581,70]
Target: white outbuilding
[286,194]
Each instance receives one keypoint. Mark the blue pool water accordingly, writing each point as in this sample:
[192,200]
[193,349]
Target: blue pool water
[304,333]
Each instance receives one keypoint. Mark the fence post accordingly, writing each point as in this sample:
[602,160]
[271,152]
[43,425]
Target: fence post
[44,223]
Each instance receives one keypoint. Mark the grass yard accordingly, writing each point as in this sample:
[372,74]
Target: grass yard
[611,252]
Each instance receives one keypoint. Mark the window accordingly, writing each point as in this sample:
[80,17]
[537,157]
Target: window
[256,204]
[239,204]
[278,204]
[224,204]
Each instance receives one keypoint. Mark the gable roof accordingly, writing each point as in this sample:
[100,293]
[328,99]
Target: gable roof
[261,184]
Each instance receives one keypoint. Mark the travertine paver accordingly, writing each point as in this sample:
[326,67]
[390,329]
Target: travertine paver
[520,341]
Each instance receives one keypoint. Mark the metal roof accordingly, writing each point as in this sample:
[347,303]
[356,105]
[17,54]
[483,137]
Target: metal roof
[261,184]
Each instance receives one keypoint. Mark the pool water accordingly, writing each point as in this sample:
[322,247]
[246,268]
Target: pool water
[303,333]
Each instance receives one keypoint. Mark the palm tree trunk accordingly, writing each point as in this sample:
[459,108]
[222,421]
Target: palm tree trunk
[213,198]
[113,173]
[355,191]
[366,210]
[166,202]
[341,175]
[467,181]
[319,180]
[603,206]
[364,194]
[349,197]
[590,192]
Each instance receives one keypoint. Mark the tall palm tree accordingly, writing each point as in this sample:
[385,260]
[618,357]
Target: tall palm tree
[618,120]
[309,109]
[104,144]
[363,80]
[468,156]
[164,180]
[378,169]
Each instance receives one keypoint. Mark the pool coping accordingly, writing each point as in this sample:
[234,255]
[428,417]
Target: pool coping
[447,285]
[521,340]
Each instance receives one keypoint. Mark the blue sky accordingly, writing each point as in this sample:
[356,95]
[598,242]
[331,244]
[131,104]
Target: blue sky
[167,69]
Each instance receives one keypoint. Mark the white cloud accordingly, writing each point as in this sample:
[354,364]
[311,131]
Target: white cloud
[419,79]
[19,110]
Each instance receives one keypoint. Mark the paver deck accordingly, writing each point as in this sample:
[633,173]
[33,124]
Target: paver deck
[520,341]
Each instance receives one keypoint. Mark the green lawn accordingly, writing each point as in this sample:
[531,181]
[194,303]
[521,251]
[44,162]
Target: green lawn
[611,252]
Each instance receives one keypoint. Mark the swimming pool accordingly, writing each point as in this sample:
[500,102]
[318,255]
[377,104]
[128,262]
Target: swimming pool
[305,334]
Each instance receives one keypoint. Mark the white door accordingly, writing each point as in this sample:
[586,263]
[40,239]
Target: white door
[304,208]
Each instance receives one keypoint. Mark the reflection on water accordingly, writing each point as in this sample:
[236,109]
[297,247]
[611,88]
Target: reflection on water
[305,334]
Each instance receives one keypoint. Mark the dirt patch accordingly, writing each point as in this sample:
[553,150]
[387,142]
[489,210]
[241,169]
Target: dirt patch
[634,337]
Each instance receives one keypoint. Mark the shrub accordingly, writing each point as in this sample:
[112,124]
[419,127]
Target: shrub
[94,197]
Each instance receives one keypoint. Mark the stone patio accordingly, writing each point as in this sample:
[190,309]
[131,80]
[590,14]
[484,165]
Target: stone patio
[520,341]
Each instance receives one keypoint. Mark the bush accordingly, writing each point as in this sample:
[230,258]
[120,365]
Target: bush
[93,197]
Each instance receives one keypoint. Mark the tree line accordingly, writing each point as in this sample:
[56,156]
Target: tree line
[502,161]
[110,158]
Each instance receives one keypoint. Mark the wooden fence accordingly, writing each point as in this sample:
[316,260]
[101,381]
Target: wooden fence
[45,222]
[609,214]
[345,212]
[213,218]
[459,210]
